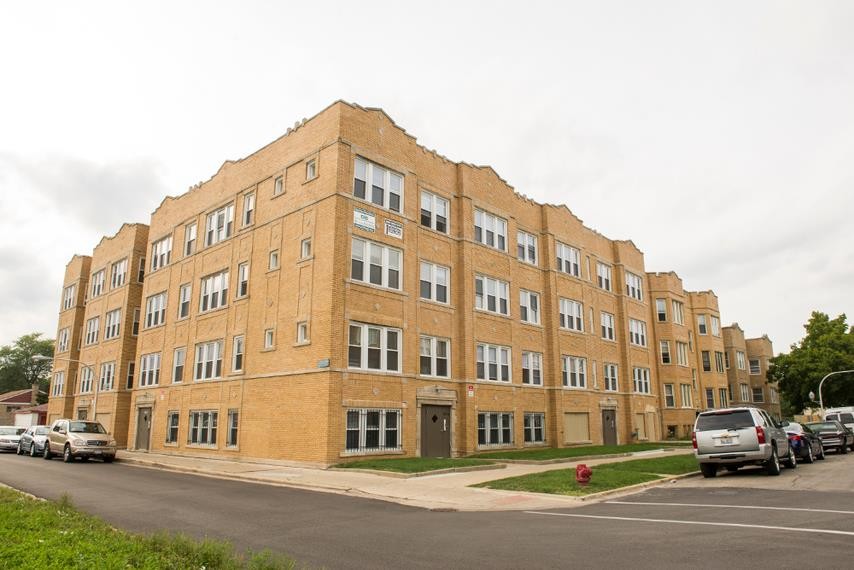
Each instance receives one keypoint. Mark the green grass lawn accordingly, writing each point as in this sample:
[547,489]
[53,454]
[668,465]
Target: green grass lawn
[414,464]
[605,477]
[545,453]
[45,534]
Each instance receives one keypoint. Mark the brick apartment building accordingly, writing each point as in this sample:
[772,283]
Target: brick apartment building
[747,368]
[345,292]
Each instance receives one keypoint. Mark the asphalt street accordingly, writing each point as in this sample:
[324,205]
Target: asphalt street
[692,523]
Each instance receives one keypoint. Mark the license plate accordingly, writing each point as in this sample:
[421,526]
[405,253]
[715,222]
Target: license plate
[98,452]
[726,441]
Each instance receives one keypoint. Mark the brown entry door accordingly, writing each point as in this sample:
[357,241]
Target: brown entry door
[609,427]
[143,428]
[435,431]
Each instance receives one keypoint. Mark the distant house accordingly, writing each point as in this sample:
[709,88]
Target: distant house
[34,416]
[11,402]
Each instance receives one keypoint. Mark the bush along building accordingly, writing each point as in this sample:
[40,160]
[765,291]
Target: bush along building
[345,292]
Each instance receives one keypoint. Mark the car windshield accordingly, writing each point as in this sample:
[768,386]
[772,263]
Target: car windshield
[43,430]
[824,426]
[846,418]
[86,427]
[734,419]
[11,430]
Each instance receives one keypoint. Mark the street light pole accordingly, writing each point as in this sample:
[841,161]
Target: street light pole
[820,399]
[43,358]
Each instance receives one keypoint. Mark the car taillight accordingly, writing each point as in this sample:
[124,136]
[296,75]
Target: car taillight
[694,439]
[760,434]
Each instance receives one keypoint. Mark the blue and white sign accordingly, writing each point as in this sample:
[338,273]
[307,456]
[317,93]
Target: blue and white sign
[364,220]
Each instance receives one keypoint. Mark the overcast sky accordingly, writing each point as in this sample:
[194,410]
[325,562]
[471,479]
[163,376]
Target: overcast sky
[718,136]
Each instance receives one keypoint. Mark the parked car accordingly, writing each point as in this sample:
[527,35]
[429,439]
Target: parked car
[844,415]
[806,443]
[32,440]
[735,437]
[79,438]
[9,437]
[834,435]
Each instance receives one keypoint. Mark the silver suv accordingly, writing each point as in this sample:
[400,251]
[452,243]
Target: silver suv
[734,437]
[79,438]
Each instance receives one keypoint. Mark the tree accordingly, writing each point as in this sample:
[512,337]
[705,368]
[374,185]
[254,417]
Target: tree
[827,347]
[17,369]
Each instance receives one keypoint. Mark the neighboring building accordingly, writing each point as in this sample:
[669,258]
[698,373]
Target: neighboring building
[760,351]
[31,416]
[11,402]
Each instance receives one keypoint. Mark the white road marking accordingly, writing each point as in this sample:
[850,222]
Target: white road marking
[670,521]
[732,507]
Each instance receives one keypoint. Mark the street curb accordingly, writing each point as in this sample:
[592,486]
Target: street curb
[399,475]
[638,486]
[581,457]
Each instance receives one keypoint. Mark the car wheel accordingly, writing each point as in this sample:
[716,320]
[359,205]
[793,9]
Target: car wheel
[19,451]
[108,458]
[810,456]
[792,459]
[66,454]
[47,454]
[821,451]
[843,449]
[33,449]
[732,468]
[772,466]
[709,470]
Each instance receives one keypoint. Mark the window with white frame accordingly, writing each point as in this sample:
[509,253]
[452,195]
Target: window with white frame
[722,395]
[112,324]
[526,247]
[634,286]
[574,371]
[373,347]
[494,428]
[130,372]
[161,253]
[661,309]
[434,356]
[155,310]
[219,225]
[705,356]
[86,377]
[435,212]
[681,353]
[434,282]
[640,377]
[375,263]
[758,395]
[273,262]
[493,362]
[637,332]
[97,283]
[278,185]
[491,295]
[190,232]
[184,294]
[719,361]
[58,385]
[710,398]
[603,275]
[68,297]
[305,248]
[386,186]
[118,273]
[179,360]
[135,325]
[248,209]
[607,323]
[532,368]
[242,280]
[369,430]
[149,370]
[678,312]
[740,360]
[203,427]
[755,367]
[302,333]
[534,427]
[108,376]
[568,259]
[701,324]
[490,230]
[214,292]
[269,339]
[529,307]
[232,427]
[62,340]
[140,271]
[571,315]
[665,351]
[611,381]
[208,360]
[172,427]
[716,326]
[745,392]
[310,169]
[687,395]
[237,350]
[669,396]
[92,326]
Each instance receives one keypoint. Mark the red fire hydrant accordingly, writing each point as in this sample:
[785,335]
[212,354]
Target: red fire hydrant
[582,474]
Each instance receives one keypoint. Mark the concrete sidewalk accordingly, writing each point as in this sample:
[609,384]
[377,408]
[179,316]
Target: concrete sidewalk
[447,491]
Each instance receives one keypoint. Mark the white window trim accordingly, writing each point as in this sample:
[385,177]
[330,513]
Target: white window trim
[384,350]
[488,222]
[432,201]
[484,349]
[634,286]
[434,356]
[500,290]
[155,310]
[433,270]
[574,372]
[369,183]
[568,259]
[525,240]
[149,370]
[637,333]
[386,254]
[216,233]
[208,355]
[612,381]
[214,288]
[641,380]
[161,253]
[526,300]
[606,326]
[534,361]
[571,315]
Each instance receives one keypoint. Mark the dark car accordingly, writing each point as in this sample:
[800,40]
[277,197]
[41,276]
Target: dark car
[805,442]
[833,435]
[32,441]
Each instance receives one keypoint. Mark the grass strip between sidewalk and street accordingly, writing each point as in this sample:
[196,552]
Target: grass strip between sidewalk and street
[415,464]
[548,453]
[47,534]
[605,477]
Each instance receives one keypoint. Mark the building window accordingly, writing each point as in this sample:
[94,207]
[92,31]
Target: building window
[237,354]
[305,248]
[434,212]
[493,362]
[722,397]
[574,371]
[269,339]
[310,170]
[219,225]
[248,209]
[681,353]
[112,324]
[434,357]
[758,395]
[719,361]
[745,392]
[68,297]
[386,189]
[701,324]
[534,428]
[568,259]
[526,247]
[755,367]
[302,333]
[62,340]
[278,185]
[532,368]
[373,347]
[129,379]
[209,360]
[607,321]
[529,307]
[678,312]
[611,382]
[716,326]
[372,430]
[178,359]
[383,264]
[491,295]
[214,292]
[58,384]
[687,398]
[140,272]
[161,253]
[571,315]
[434,282]
[97,283]
[92,326]
[603,276]
[190,231]
[669,396]
[202,428]
[135,326]
[710,398]
[273,262]
[665,351]
[661,310]
[242,280]
[637,332]
[118,273]
[633,286]
[707,360]
[155,310]
[490,230]
[149,370]
[231,434]
[172,427]
[86,374]
[740,360]
[494,428]
[641,380]
[108,375]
